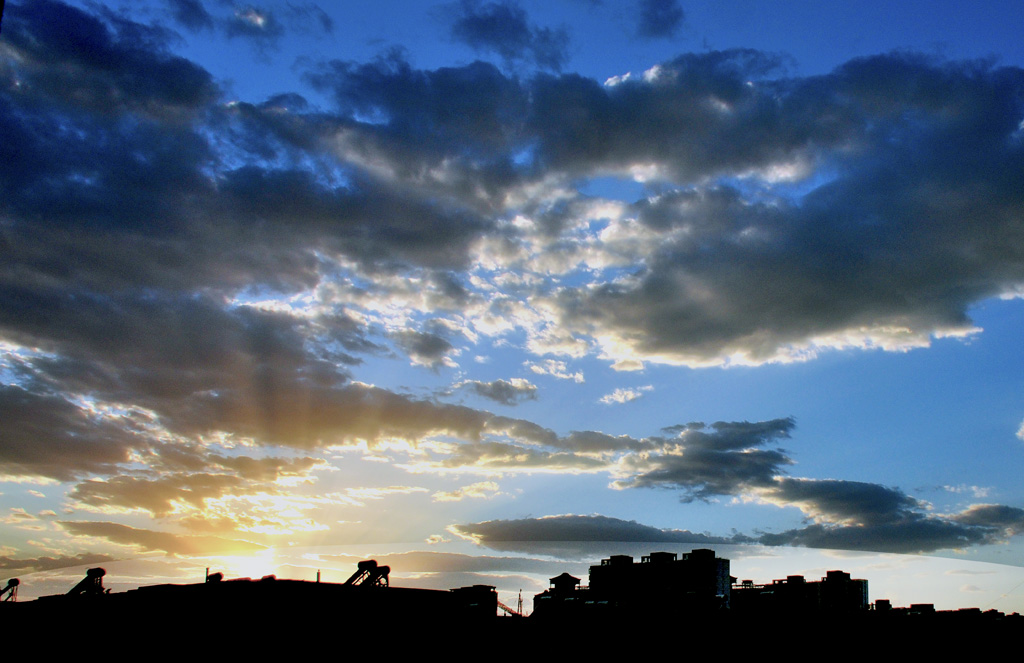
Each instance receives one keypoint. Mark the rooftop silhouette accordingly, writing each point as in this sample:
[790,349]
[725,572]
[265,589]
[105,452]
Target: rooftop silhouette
[662,590]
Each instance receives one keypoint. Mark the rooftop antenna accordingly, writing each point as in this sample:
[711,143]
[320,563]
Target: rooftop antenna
[10,592]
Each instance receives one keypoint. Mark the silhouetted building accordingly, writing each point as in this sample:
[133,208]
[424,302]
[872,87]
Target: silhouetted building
[242,601]
[662,583]
[834,594]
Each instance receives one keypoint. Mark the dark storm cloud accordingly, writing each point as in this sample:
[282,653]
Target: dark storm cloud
[472,115]
[371,220]
[659,18]
[170,356]
[906,235]
[853,515]
[1006,518]
[310,17]
[503,391]
[503,28]
[852,502]
[198,368]
[912,532]
[191,14]
[43,434]
[135,201]
[172,544]
[918,220]
[916,534]
[116,222]
[724,459]
[578,528]
[75,59]
[693,117]
[524,430]
[424,348]
[594,442]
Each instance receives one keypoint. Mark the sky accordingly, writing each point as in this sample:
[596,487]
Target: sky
[454,281]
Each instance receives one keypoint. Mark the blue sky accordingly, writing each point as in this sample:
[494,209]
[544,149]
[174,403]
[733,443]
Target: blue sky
[460,274]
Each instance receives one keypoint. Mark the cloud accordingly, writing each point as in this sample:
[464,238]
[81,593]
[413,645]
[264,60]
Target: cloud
[159,496]
[310,17]
[478,490]
[701,462]
[46,435]
[172,544]
[50,563]
[177,482]
[500,458]
[918,534]
[381,492]
[624,395]
[555,368]
[191,364]
[506,392]
[575,528]
[853,515]
[259,25]
[18,515]
[184,277]
[659,19]
[978,492]
[911,533]
[503,28]
[844,502]
[1010,520]
[267,468]
[430,160]
[424,348]
[673,120]
[628,365]
[101,65]
[191,14]
[752,282]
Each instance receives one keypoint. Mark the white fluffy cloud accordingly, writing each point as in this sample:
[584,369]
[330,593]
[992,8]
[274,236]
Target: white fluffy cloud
[624,395]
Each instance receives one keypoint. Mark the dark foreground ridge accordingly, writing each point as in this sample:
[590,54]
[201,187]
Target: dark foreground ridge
[680,597]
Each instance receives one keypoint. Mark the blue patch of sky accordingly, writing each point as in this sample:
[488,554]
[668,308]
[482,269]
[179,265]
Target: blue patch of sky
[328,173]
[345,278]
[259,293]
[613,188]
[13,373]
[756,189]
[397,373]
[525,157]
